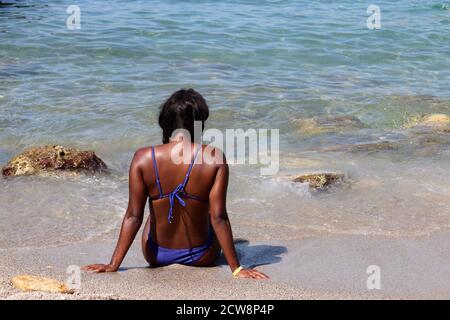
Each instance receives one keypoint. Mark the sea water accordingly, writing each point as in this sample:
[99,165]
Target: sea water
[259,64]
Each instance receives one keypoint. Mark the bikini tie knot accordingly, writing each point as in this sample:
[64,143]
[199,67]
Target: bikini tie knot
[176,194]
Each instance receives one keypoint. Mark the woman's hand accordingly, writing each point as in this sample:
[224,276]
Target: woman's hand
[251,273]
[99,268]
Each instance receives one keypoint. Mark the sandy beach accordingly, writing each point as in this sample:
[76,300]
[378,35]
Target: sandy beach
[332,267]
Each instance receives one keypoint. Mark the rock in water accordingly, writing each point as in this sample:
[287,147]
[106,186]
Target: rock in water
[314,126]
[319,181]
[437,121]
[41,160]
[35,283]
[370,147]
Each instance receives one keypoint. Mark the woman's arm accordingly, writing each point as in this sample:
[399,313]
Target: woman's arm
[222,226]
[133,217]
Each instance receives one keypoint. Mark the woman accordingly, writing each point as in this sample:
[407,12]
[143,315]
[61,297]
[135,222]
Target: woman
[188,222]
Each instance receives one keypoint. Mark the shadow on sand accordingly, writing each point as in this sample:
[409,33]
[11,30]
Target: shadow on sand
[254,256]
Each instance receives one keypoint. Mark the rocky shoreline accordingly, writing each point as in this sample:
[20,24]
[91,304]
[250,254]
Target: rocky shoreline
[52,160]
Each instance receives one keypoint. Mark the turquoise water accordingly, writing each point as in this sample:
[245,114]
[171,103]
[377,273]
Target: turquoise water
[260,64]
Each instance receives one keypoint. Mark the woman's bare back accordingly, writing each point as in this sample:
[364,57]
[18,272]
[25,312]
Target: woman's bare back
[190,224]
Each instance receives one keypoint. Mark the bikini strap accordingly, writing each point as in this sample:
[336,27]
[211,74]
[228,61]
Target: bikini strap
[186,178]
[179,191]
[158,182]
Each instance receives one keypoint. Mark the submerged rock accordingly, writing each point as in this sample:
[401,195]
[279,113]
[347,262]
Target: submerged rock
[36,283]
[369,147]
[437,121]
[52,159]
[313,126]
[321,180]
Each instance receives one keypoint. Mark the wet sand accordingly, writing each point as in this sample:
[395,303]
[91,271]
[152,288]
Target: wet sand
[326,267]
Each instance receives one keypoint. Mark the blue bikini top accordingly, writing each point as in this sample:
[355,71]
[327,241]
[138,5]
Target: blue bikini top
[179,191]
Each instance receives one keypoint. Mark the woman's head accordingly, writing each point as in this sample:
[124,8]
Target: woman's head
[180,111]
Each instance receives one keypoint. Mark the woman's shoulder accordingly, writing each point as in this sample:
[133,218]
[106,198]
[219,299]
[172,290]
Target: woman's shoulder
[143,151]
[142,155]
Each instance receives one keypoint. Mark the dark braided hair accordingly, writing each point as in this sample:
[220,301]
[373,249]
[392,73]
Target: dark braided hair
[180,111]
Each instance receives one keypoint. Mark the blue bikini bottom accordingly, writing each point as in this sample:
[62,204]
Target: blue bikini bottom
[166,256]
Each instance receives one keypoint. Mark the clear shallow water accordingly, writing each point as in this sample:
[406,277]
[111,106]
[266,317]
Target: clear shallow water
[260,64]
